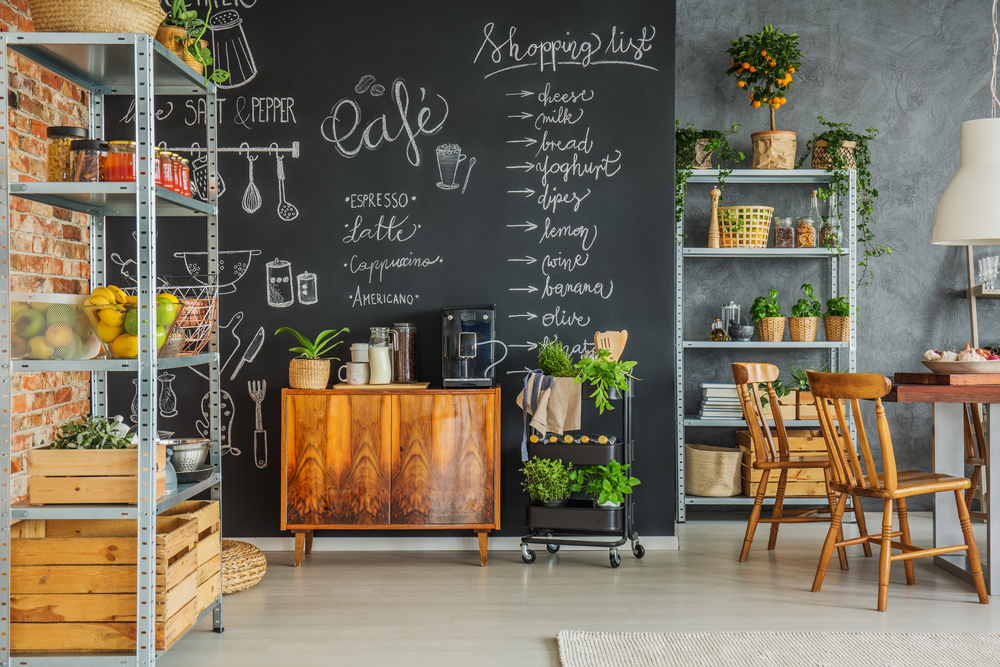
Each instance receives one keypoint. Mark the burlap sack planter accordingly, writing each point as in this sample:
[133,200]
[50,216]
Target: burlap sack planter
[712,471]
[774,149]
[837,328]
[821,156]
[770,329]
[803,329]
[702,158]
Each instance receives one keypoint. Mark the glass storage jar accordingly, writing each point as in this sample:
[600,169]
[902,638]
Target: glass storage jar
[805,233]
[185,177]
[59,137]
[104,160]
[121,161]
[85,159]
[404,365]
[167,169]
[784,233]
[380,355]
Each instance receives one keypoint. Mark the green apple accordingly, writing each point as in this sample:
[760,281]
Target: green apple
[166,311]
[18,347]
[72,350]
[161,336]
[29,323]
[60,313]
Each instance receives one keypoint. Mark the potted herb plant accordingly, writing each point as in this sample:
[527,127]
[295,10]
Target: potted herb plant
[605,484]
[839,149]
[554,360]
[182,31]
[767,317]
[763,64]
[694,150]
[547,481]
[837,320]
[311,369]
[804,321]
[605,375]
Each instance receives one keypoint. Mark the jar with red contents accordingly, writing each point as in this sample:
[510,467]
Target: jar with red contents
[157,167]
[121,161]
[178,177]
[185,177]
[166,170]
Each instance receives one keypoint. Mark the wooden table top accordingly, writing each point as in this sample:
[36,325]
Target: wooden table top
[929,393]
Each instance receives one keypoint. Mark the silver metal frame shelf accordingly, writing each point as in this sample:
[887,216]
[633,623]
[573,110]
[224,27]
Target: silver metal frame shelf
[741,423]
[784,253]
[110,365]
[757,345]
[771,176]
[108,199]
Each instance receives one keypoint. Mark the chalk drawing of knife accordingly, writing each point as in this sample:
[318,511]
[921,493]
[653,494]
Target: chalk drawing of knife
[251,352]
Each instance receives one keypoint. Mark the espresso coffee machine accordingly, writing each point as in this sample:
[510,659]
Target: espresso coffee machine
[468,337]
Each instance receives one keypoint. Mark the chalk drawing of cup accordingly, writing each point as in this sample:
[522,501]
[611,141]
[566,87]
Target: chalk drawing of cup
[448,158]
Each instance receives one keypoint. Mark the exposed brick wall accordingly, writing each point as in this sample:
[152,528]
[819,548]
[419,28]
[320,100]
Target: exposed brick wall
[49,248]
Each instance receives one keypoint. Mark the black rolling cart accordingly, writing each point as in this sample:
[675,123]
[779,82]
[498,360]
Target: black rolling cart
[579,523]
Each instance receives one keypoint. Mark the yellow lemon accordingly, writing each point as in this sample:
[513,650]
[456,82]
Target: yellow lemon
[105,293]
[168,296]
[119,293]
[111,316]
[108,332]
[125,345]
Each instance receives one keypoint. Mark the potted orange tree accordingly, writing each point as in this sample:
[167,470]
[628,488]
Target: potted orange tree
[763,64]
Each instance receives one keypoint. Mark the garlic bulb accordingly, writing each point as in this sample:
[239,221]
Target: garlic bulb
[931,355]
[949,356]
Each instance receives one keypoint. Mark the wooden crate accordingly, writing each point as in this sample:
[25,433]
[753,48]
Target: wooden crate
[786,411]
[805,406]
[88,476]
[794,475]
[792,489]
[73,584]
[206,513]
[800,441]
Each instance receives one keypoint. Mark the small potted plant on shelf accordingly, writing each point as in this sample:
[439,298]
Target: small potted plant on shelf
[767,318]
[182,31]
[547,481]
[763,64]
[311,369]
[605,484]
[837,320]
[606,375]
[694,150]
[804,322]
[554,360]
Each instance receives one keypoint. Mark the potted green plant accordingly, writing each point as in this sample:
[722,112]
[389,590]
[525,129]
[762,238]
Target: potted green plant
[606,484]
[694,150]
[311,369]
[839,149]
[182,31]
[837,320]
[553,359]
[547,481]
[767,317]
[804,321]
[763,64]
[605,375]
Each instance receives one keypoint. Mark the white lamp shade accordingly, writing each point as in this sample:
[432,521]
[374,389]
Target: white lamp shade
[969,210]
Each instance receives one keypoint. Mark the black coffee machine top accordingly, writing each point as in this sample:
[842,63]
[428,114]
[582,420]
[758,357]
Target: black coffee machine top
[468,339]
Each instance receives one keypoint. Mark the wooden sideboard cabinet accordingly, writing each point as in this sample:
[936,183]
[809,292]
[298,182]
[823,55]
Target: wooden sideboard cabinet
[389,459]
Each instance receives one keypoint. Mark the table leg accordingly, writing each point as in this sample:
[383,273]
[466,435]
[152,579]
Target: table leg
[992,506]
[482,534]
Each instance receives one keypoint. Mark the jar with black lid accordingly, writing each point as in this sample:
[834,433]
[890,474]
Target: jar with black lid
[404,367]
[59,137]
[85,160]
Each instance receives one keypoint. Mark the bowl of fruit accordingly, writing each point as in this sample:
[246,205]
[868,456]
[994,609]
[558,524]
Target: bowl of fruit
[116,322]
[50,326]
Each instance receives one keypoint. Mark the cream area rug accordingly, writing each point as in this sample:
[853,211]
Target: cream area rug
[775,649]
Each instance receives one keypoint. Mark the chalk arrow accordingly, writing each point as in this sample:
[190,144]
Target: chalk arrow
[528,316]
[529,289]
[529,226]
[527,259]
[523,93]
[526,370]
[527,166]
[526,192]
[524,115]
[530,346]
[527,141]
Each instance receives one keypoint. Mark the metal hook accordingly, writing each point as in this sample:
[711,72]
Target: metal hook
[273,148]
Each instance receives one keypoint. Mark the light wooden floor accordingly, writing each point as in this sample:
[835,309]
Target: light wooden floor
[442,609]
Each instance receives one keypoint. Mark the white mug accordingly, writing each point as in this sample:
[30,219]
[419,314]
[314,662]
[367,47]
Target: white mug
[354,372]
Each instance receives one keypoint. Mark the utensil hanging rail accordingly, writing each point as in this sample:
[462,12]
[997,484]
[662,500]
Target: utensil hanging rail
[273,149]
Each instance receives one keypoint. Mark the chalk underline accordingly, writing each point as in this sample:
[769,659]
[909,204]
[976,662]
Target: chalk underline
[572,62]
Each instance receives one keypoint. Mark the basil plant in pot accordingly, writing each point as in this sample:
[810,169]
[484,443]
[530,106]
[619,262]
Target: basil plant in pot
[311,369]
[767,318]
[804,322]
[606,485]
[547,481]
[606,375]
[837,320]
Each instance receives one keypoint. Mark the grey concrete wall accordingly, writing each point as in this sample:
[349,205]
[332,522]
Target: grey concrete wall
[914,69]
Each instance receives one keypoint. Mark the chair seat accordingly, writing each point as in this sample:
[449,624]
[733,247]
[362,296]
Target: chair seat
[908,483]
[804,461]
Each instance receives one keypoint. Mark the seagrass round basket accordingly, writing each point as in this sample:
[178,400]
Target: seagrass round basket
[821,154]
[770,329]
[712,471]
[243,565]
[837,328]
[309,373]
[176,41]
[744,226]
[803,329]
[96,15]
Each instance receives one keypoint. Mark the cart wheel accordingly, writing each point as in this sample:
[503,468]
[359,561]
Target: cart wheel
[527,555]
[638,550]
[616,560]
[552,548]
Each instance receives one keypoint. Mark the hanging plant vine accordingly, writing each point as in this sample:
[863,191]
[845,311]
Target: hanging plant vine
[685,141]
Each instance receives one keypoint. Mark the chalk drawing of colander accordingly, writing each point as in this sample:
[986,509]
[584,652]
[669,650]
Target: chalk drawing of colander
[233,265]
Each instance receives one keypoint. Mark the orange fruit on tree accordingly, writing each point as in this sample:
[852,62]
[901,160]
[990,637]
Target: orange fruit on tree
[746,65]
[752,68]
[756,104]
[764,53]
[741,84]
[791,70]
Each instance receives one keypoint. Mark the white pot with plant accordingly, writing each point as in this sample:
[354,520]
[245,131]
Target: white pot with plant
[804,322]
[607,484]
[547,481]
[311,369]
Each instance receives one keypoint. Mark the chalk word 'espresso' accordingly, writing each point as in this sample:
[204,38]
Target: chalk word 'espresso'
[379,200]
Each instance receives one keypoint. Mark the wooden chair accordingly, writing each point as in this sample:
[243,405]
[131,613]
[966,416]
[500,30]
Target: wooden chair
[613,341]
[976,453]
[889,485]
[770,457]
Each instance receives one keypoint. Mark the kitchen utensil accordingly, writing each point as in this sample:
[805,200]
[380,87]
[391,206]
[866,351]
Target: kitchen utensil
[280,293]
[472,163]
[187,453]
[257,392]
[230,49]
[730,313]
[741,332]
[251,352]
[251,198]
[286,211]
[963,366]
[380,347]
[195,476]
[234,322]
[199,176]
[226,425]
[233,264]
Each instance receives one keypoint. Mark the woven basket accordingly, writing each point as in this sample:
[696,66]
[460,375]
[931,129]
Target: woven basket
[309,373]
[167,35]
[702,159]
[821,157]
[770,329]
[744,226]
[837,328]
[803,329]
[243,565]
[712,471]
[97,15]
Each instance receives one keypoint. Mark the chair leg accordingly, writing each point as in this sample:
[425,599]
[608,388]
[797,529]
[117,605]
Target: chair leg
[973,552]
[779,500]
[883,556]
[758,502]
[971,493]
[832,499]
[904,528]
[859,516]
[831,540]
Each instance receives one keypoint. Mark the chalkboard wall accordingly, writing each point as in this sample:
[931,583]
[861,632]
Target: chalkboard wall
[559,211]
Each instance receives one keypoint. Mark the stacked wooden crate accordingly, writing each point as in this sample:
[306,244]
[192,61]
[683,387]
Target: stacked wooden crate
[73,584]
[89,476]
[802,482]
[206,514]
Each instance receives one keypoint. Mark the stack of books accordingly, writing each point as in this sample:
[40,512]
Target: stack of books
[719,401]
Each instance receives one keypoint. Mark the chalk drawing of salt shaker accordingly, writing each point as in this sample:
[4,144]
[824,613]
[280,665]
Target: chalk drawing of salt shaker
[306,283]
[280,292]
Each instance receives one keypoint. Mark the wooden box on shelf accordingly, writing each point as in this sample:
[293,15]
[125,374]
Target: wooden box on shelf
[88,476]
[209,563]
[73,583]
[806,406]
[802,483]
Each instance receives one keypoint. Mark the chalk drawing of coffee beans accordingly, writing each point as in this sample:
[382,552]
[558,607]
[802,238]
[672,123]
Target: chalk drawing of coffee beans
[377,90]
[364,84]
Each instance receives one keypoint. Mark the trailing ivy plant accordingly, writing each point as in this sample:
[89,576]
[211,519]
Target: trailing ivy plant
[840,184]
[181,17]
[685,140]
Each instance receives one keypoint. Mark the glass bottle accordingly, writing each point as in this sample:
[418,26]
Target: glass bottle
[380,355]
[784,233]
[829,233]
[718,331]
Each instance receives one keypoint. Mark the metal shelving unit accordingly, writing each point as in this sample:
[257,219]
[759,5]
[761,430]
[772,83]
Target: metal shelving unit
[837,353]
[137,66]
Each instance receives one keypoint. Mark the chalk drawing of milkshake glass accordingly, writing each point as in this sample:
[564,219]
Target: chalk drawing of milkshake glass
[448,158]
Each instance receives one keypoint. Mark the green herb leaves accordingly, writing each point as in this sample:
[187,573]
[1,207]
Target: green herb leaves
[607,483]
[554,360]
[808,306]
[546,480]
[603,373]
[315,349]
[93,432]
[765,306]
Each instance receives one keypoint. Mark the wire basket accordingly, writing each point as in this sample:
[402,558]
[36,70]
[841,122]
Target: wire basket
[744,226]
[200,296]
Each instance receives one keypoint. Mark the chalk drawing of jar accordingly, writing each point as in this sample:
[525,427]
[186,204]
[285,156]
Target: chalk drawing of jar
[307,288]
[230,49]
[280,289]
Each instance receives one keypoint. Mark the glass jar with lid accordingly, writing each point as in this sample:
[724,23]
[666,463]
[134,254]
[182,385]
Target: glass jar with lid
[805,233]
[157,166]
[166,169]
[404,366]
[121,161]
[104,160]
[380,355]
[85,160]
[58,166]
[784,233]
[185,177]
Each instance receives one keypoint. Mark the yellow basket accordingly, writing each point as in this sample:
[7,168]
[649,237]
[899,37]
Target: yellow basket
[744,226]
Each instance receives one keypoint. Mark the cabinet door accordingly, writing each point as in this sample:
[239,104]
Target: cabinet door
[336,459]
[443,465]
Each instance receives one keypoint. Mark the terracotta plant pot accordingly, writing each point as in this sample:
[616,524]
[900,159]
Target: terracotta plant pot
[175,39]
[309,373]
[837,328]
[821,157]
[774,149]
[702,158]
[803,329]
[770,329]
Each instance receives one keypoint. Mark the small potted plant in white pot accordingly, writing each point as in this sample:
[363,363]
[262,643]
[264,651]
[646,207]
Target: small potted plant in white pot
[547,481]
[311,369]
[606,484]
[804,322]
[767,318]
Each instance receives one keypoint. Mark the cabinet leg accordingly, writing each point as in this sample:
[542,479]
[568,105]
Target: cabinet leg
[482,534]
[300,540]
[309,542]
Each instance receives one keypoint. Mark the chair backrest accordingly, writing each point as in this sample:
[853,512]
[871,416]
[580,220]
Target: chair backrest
[748,379]
[829,390]
[613,341]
